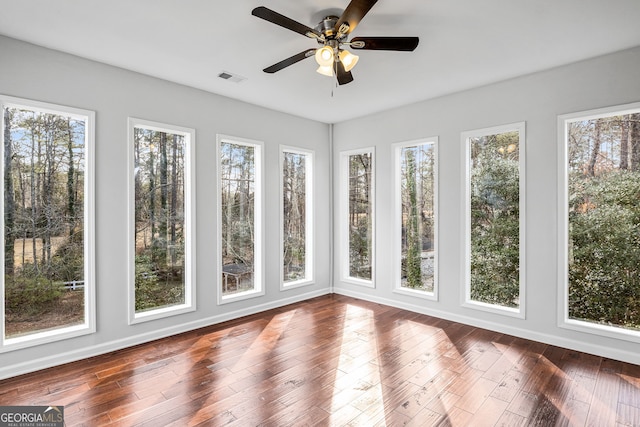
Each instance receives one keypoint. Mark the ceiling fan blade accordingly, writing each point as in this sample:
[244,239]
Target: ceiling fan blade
[406,44]
[353,14]
[289,61]
[343,76]
[283,21]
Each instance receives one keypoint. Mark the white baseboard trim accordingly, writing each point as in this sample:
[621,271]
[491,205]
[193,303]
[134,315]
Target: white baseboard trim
[585,347]
[74,355]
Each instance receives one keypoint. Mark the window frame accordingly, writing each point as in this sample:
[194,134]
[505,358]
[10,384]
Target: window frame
[89,325]
[397,219]
[309,278]
[259,220]
[189,304]
[344,214]
[519,312]
[563,320]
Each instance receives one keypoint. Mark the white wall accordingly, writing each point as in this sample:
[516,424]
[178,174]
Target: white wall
[32,72]
[536,99]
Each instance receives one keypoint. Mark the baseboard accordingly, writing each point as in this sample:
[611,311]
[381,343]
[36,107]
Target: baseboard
[84,353]
[585,347]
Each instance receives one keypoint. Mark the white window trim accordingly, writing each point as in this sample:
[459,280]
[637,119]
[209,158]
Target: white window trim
[89,325]
[310,235]
[344,214]
[519,312]
[397,219]
[563,226]
[259,218]
[189,304]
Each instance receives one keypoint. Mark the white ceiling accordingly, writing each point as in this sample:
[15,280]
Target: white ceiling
[463,44]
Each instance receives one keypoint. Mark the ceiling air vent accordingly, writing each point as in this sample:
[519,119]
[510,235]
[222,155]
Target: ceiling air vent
[235,78]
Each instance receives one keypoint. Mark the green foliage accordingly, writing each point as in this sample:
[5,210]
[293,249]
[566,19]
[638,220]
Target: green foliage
[604,273]
[495,222]
[359,247]
[30,294]
[156,288]
[67,264]
[413,260]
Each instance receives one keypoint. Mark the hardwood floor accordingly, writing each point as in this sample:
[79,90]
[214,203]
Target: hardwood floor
[335,360]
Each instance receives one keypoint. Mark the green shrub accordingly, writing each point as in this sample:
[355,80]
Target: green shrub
[156,288]
[604,273]
[30,294]
[495,228]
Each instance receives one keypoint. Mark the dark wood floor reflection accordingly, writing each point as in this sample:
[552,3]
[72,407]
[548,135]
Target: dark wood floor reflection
[335,360]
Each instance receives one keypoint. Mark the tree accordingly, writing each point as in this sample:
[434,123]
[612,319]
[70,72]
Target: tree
[42,206]
[161,240]
[159,212]
[604,221]
[624,143]
[413,259]
[634,131]
[595,151]
[294,176]
[9,203]
[495,220]
[174,197]
[238,185]
[360,220]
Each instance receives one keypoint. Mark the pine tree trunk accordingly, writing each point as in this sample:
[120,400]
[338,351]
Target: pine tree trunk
[152,200]
[9,206]
[174,195]
[414,274]
[34,199]
[624,143]
[162,227]
[591,168]
[634,139]
[71,200]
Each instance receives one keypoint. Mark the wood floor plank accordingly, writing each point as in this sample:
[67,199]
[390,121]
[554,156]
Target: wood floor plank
[509,419]
[338,361]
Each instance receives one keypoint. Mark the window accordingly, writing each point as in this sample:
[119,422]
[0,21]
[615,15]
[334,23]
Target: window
[599,221]
[161,220]
[494,219]
[240,218]
[416,224]
[48,181]
[357,216]
[296,168]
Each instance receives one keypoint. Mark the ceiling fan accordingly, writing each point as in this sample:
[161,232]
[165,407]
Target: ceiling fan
[331,33]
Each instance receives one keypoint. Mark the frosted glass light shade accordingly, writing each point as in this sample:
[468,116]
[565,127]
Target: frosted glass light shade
[348,59]
[325,70]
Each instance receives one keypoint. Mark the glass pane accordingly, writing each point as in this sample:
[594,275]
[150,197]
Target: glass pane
[159,219]
[360,216]
[417,205]
[495,219]
[294,216]
[604,220]
[44,167]
[237,171]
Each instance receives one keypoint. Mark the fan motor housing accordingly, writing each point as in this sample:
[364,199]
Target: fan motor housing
[328,28]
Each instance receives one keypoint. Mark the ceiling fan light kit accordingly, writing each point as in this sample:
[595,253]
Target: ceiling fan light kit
[332,33]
